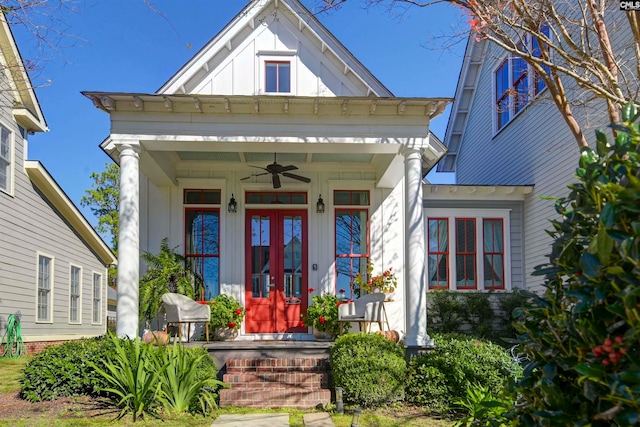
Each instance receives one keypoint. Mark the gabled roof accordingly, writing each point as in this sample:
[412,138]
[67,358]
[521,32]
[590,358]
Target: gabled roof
[58,199]
[223,43]
[26,108]
[465,91]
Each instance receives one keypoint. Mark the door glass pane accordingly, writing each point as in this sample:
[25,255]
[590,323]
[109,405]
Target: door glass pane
[260,245]
[292,258]
[210,269]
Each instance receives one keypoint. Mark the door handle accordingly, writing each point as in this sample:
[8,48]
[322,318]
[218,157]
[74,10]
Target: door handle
[292,301]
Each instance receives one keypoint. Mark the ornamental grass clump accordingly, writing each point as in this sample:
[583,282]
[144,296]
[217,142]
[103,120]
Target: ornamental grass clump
[582,335]
[226,312]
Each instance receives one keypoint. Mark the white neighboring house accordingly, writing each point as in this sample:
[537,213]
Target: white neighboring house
[53,265]
[198,165]
[525,144]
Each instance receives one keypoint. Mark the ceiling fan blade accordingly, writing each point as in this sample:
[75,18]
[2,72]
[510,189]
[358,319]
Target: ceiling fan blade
[254,174]
[276,180]
[258,167]
[288,168]
[298,177]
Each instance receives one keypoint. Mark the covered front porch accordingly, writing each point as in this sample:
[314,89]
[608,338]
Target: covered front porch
[235,183]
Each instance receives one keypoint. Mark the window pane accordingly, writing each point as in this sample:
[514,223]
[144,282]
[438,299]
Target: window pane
[97,297]
[438,253]
[202,232]
[271,77]
[465,253]
[284,77]
[210,270]
[341,197]
[493,254]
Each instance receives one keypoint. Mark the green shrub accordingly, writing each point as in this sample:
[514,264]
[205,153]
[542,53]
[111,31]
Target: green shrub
[582,335]
[446,312]
[508,303]
[65,370]
[479,313]
[370,369]
[484,407]
[438,378]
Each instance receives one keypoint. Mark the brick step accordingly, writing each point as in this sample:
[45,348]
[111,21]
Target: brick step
[275,397]
[277,365]
[250,380]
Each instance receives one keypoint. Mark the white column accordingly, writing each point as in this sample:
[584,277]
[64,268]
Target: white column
[128,242]
[415,252]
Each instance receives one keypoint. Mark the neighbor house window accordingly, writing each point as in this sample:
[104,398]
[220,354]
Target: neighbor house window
[471,250]
[6,159]
[75,278]
[277,76]
[97,298]
[45,288]
[514,89]
[202,250]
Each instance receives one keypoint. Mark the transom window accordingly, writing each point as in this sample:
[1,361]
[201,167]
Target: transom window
[277,76]
[202,250]
[6,162]
[75,277]
[513,86]
[352,249]
[45,287]
[279,198]
[201,197]
[467,253]
[351,198]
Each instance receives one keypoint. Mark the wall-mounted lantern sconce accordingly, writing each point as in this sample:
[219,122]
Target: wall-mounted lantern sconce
[320,205]
[232,207]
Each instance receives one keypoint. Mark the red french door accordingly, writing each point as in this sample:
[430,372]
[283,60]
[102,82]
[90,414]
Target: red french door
[276,270]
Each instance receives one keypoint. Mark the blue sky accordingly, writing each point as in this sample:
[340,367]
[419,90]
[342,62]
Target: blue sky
[124,46]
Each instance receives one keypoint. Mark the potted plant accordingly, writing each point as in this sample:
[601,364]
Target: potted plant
[385,282]
[322,315]
[226,316]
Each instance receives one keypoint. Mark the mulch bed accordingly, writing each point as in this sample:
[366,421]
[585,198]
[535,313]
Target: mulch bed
[11,406]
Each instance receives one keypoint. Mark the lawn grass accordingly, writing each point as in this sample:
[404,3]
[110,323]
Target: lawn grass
[10,371]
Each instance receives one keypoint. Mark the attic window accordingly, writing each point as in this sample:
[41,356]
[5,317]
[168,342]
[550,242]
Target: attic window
[277,76]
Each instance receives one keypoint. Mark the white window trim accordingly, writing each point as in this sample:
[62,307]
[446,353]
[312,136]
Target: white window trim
[479,215]
[51,285]
[512,109]
[276,56]
[12,161]
[79,321]
[102,298]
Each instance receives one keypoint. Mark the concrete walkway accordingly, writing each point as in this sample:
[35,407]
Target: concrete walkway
[316,419]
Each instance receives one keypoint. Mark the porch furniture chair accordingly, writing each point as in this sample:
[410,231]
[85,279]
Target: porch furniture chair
[182,309]
[365,310]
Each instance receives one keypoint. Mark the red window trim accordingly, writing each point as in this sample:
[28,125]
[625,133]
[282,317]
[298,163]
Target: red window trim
[201,190]
[484,237]
[349,255]
[445,254]
[188,255]
[351,197]
[277,75]
[474,253]
[263,193]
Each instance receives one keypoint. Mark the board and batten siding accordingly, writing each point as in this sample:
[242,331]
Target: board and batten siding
[516,232]
[29,225]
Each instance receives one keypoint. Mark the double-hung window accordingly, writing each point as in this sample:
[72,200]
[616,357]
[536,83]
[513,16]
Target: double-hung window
[6,159]
[514,88]
[277,76]
[468,253]
[351,239]
[75,285]
[97,299]
[44,298]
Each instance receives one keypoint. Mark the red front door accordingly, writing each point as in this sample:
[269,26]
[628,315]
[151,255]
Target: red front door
[276,271]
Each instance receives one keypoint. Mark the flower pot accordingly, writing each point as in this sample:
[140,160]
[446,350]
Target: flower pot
[225,334]
[156,337]
[322,335]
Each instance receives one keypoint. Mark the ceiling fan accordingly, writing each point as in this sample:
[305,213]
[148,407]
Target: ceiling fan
[276,170]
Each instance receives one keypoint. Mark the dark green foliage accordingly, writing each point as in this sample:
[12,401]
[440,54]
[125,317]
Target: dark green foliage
[582,334]
[446,312]
[438,378]
[65,370]
[370,369]
[474,313]
[166,266]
